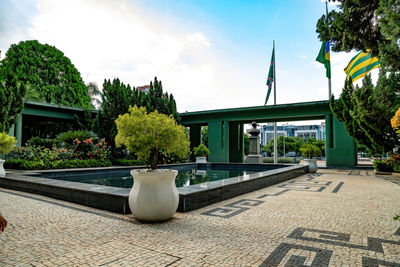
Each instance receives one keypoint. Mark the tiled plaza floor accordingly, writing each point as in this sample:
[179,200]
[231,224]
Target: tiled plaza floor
[333,218]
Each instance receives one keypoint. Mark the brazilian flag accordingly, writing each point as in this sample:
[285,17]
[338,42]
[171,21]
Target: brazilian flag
[270,78]
[324,58]
[361,65]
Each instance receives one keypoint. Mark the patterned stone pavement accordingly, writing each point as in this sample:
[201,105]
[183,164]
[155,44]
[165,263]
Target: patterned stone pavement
[332,218]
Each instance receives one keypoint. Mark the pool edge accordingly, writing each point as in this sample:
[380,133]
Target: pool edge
[116,199]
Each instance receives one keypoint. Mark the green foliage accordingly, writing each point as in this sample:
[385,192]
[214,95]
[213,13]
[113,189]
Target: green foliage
[127,162]
[91,149]
[366,112]
[57,164]
[363,25]
[32,153]
[396,167]
[118,97]
[396,218]
[310,151]
[44,142]
[383,165]
[201,151]
[204,135]
[146,134]
[280,160]
[7,143]
[292,144]
[44,69]
[11,99]
[68,137]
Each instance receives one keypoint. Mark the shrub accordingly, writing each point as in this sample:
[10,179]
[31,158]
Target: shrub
[396,167]
[147,134]
[310,151]
[47,143]
[58,164]
[201,151]
[7,143]
[87,149]
[383,165]
[40,153]
[68,137]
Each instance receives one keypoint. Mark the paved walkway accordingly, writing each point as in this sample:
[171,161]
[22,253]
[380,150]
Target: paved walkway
[332,218]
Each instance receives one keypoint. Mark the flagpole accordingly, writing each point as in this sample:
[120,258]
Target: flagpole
[275,134]
[329,43]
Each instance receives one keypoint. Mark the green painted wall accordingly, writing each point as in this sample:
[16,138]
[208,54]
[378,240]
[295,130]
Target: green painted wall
[218,141]
[340,147]
[236,145]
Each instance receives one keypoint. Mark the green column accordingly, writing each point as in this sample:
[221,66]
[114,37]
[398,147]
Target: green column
[18,130]
[195,137]
[218,141]
[340,147]
[236,151]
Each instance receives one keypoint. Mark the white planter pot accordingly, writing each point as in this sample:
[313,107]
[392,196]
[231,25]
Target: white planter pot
[2,171]
[312,165]
[201,159]
[154,197]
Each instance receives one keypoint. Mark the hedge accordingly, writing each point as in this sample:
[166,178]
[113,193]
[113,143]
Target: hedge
[58,164]
[383,165]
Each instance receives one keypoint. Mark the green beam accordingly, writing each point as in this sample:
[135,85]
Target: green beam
[286,112]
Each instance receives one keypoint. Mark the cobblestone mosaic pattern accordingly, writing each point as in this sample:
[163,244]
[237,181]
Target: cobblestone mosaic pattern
[332,218]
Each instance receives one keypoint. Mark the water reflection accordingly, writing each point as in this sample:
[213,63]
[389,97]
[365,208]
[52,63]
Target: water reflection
[184,178]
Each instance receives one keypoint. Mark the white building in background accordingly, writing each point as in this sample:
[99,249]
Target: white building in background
[304,131]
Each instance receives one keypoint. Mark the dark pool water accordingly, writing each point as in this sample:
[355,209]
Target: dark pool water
[184,178]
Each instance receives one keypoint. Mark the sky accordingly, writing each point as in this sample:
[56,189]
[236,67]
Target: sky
[209,54]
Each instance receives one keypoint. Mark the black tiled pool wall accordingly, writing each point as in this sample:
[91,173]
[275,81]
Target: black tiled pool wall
[116,199]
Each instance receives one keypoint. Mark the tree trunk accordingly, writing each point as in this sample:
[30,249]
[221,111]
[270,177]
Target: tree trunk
[153,158]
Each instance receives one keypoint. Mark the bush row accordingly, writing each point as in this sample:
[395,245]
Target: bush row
[58,164]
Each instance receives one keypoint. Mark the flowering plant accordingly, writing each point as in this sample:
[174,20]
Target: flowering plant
[89,149]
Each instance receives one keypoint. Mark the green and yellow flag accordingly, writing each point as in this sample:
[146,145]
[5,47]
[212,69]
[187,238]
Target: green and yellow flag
[361,65]
[325,58]
[270,78]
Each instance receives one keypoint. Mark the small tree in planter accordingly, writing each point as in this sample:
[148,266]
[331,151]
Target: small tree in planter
[154,196]
[310,151]
[6,145]
[201,152]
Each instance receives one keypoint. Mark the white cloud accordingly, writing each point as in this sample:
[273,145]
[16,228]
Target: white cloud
[200,38]
[108,39]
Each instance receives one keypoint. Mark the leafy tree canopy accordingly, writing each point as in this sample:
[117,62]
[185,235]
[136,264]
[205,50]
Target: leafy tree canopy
[11,99]
[366,111]
[363,25]
[46,73]
[147,134]
[118,97]
[292,144]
